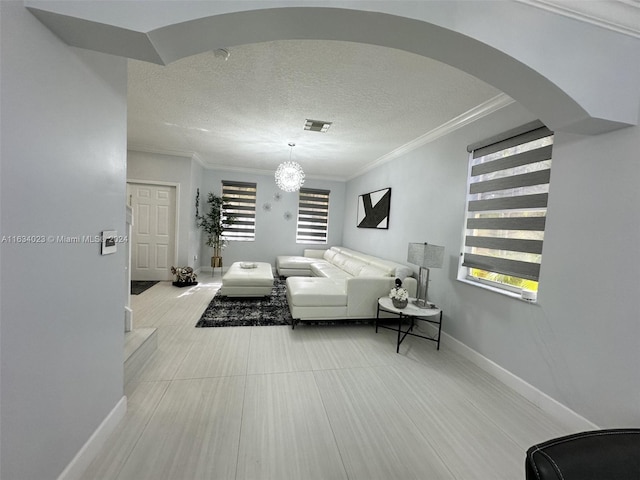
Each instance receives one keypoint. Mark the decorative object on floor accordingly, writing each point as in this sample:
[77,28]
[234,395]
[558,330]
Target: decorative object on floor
[426,256]
[214,222]
[185,276]
[245,311]
[373,209]
[399,296]
[289,175]
[139,286]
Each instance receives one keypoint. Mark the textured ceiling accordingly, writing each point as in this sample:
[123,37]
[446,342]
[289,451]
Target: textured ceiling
[241,113]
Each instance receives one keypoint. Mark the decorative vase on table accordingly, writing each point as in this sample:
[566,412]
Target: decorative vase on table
[399,296]
[400,303]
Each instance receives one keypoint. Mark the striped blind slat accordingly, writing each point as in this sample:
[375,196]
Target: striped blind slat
[513,161]
[510,244]
[517,136]
[507,223]
[514,181]
[538,200]
[516,268]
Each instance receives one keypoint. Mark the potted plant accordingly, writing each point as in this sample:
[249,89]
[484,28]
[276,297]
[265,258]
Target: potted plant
[213,223]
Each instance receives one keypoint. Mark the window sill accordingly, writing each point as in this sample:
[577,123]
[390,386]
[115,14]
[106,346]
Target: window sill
[514,295]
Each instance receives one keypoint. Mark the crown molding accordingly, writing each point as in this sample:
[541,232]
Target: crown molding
[486,108]
[210,166]
[134,147]
[622,16]
[256,171]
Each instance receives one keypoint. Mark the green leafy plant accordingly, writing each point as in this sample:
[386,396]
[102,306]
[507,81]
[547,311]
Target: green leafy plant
[505,279]
[214,222]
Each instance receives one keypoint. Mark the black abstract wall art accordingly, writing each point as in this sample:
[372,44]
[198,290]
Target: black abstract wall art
[373,209]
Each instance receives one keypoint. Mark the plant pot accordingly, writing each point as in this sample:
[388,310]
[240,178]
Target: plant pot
[399,303]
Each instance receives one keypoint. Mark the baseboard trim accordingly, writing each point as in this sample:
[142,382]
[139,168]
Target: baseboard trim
[528,391]
[90,449]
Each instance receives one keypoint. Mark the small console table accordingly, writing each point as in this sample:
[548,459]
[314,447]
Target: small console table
[413,313]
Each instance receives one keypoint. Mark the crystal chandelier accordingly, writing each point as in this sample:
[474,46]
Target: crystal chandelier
[289,175]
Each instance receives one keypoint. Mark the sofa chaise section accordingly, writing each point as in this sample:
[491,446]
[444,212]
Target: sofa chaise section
[298,265]
[339,284]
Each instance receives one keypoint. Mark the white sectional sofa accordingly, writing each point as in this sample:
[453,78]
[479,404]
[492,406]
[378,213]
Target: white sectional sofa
[339,283]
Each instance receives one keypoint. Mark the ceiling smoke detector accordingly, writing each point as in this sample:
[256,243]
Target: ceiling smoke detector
[222,53]
[317,125]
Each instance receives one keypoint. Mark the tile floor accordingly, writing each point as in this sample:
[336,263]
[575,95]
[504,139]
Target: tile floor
[318,402]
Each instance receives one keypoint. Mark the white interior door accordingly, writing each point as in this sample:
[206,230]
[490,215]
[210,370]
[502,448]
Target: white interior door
[153,237]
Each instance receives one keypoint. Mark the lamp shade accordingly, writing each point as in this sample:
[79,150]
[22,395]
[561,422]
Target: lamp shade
[425,255]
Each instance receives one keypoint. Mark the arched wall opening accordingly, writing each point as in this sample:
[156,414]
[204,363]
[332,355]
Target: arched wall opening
[457,45]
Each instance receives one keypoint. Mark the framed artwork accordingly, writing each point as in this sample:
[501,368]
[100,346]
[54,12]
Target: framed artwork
[373,209]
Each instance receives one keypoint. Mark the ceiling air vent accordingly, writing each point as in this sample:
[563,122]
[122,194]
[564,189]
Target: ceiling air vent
[317,125]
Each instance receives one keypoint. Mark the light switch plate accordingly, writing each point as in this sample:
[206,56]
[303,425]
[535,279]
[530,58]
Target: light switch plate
[109,243]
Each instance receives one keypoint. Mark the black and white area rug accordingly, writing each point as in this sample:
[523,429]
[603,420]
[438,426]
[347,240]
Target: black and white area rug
[139,286]
[244,312]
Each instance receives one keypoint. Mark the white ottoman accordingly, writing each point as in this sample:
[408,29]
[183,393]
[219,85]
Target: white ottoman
[247,282]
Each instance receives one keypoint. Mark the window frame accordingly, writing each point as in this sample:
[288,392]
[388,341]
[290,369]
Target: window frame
[240,201]
[312,215]
[517,228]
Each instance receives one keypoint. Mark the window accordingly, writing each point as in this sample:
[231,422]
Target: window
[313,216]
[239,206]
[507,207]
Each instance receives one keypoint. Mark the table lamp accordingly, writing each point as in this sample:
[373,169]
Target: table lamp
[426,256]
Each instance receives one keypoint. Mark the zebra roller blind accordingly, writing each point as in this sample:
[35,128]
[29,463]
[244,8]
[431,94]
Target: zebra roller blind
[239,204]
[313,216]
[507,205]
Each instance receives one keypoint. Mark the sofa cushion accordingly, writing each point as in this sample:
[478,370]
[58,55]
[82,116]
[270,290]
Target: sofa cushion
[372,271]
[329,254]
[353,266]
[388,267]
[402,272]
[326,269]
[293,261]
[309,291]
[339,260]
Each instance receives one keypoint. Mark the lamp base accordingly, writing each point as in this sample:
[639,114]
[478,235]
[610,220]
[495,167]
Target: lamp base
[422,304]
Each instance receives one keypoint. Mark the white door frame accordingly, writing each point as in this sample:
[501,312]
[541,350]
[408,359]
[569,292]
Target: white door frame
[176,229]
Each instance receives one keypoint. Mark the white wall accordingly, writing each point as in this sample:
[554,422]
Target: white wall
[176,170]
[195,234]
[581,343]
[274,235]
[62,313]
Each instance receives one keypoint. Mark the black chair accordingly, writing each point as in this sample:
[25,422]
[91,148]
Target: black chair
[595,455]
